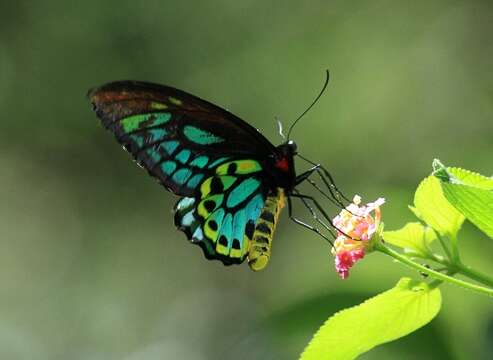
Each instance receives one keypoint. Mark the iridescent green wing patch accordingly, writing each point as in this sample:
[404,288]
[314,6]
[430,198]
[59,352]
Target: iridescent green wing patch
[165,149]
[222,217]
[199,136]
[158,147]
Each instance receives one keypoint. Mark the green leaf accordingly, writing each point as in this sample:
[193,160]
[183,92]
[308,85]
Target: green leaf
[471,178]
[413,237]
[470,193]
[440,171]
[393,314]
[475,203]
[455,175]
[432,207]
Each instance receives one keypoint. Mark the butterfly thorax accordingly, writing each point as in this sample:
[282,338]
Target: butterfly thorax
[280,166]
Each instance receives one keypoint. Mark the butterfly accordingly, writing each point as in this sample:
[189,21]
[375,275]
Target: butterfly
[231,180]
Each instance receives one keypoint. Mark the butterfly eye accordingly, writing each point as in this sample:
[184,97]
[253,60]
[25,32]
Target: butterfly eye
[292,145]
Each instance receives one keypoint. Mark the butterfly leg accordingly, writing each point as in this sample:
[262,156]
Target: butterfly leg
[315,215]
[322,211]
[326,177]
[330,183]
[334,196]
[305,225]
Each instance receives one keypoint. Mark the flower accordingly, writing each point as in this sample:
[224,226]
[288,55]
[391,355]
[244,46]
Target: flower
[355,227]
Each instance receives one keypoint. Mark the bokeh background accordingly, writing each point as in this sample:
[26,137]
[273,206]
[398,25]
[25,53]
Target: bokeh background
[91,266]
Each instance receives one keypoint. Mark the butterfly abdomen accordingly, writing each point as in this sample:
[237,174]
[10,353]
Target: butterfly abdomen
[261,243]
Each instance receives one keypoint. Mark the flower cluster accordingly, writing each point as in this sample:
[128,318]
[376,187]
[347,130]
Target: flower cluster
[355,227]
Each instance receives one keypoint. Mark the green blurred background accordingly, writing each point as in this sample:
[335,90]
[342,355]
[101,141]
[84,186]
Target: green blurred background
[91,266]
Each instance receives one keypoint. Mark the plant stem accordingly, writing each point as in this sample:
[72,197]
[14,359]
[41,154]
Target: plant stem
[474,274]
[436,283]
[444,246]
[455,249]
[463,270]
[435,274]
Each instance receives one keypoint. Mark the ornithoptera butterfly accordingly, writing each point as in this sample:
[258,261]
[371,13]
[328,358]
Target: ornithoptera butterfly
[232,181]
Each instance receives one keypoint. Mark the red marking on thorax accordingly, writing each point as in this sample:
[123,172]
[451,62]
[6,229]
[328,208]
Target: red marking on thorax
[282,164]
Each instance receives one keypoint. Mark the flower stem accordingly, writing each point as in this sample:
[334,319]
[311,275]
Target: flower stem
[474,274]
[435,274]
[463,270]
[436,283]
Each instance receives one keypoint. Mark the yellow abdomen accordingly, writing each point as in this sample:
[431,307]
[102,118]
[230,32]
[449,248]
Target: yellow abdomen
[261,243]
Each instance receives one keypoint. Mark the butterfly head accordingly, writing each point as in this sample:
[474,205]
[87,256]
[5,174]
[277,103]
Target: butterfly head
[285,153]
[283,164]
[289,148]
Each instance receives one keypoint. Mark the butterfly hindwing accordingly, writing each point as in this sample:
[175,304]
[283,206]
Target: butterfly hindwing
[222,216]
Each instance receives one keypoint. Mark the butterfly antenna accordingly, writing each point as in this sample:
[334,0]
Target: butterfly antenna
[327,77]
[280,128]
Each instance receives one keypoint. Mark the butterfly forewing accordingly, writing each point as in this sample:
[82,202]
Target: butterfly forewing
[118,100]
[176,136]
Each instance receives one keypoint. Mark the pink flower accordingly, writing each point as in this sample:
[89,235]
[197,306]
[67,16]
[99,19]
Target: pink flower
[356,225]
